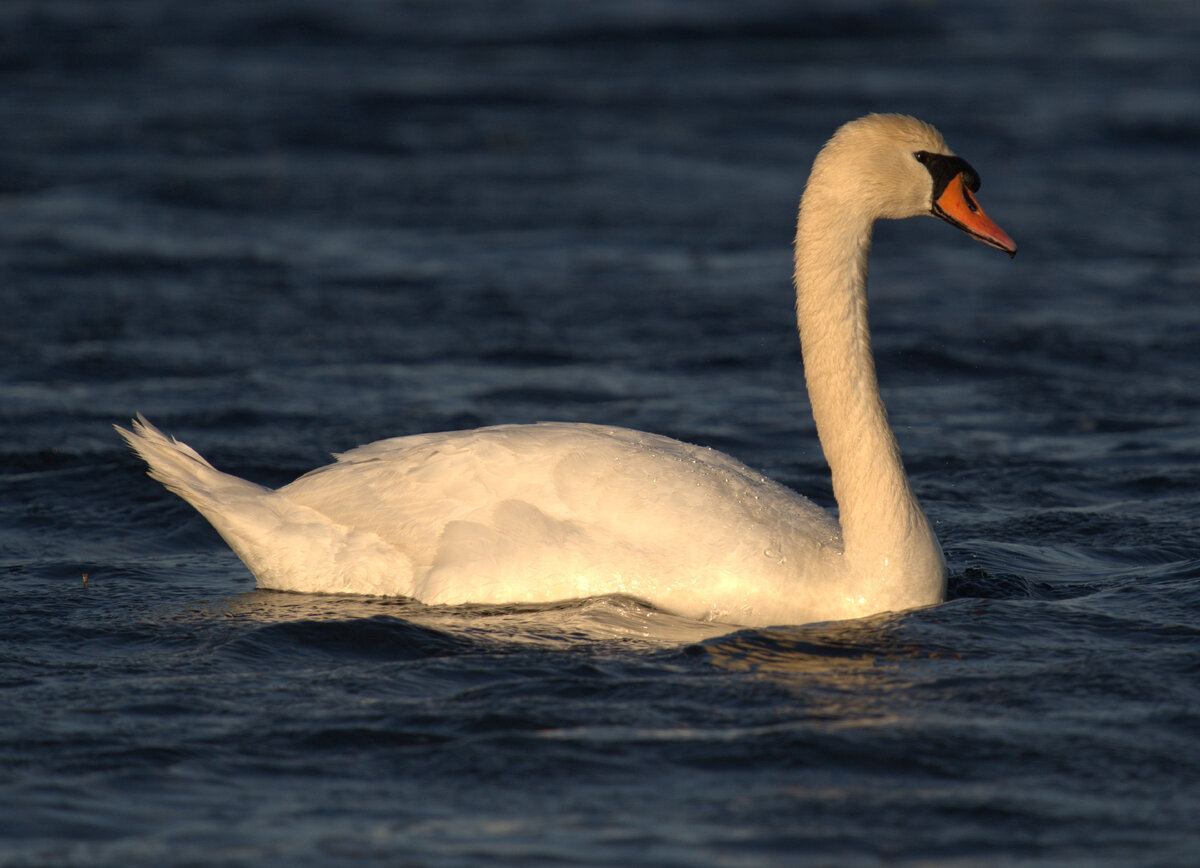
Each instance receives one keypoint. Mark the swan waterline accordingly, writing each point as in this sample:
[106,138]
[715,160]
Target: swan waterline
[555,511]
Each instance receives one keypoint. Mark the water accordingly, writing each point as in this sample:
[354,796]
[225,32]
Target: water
[281,229]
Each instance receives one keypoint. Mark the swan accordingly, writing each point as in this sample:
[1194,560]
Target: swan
[554,511]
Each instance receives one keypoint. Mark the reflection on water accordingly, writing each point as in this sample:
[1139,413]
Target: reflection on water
[843,646]
[835,652]
[844,675]
[551,624]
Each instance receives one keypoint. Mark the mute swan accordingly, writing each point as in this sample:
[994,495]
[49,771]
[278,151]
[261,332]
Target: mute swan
[534,513]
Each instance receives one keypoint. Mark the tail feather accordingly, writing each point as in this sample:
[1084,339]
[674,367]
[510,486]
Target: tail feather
[182,469]
[287,546]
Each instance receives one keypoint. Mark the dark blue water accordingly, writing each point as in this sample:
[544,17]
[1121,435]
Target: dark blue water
[281,229]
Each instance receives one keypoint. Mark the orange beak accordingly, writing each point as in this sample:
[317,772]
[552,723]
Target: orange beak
[957,205]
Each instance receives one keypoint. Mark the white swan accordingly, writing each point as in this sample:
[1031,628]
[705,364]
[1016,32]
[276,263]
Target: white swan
[555,511]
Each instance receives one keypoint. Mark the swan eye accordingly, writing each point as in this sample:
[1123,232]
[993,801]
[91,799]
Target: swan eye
[922,156]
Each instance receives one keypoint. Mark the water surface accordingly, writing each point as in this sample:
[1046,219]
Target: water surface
[281,229]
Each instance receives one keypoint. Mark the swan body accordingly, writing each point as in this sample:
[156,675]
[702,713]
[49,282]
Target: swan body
[536,513]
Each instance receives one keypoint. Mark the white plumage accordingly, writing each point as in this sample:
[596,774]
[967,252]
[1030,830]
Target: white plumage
[534,513]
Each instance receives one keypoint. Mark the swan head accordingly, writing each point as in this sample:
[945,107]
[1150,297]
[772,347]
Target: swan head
[886,166]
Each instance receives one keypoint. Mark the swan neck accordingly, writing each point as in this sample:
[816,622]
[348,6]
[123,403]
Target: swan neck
[876,505]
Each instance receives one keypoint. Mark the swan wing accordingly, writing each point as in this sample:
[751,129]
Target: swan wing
[554,510]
